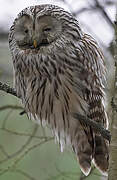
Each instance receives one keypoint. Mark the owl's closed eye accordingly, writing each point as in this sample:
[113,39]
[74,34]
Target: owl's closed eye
[35,33]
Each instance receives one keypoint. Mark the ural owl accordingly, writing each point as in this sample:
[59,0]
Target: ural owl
[59,70]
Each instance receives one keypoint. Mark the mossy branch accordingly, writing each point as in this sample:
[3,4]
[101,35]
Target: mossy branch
[96,126]
[6,88]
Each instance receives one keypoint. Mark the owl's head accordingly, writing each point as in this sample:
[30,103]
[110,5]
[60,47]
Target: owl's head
[39,26]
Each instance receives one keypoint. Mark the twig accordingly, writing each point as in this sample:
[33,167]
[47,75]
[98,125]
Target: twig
[96,126]
[23,146]
[2,108]
[30,149]
[24,134]
[82,10]
[25,174]
[13,166]
[7,116]
[101,8]
[4,151]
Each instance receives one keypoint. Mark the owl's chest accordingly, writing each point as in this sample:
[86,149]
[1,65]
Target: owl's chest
[48,85]
[46,97]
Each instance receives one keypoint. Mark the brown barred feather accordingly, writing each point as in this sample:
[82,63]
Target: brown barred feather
[61,74]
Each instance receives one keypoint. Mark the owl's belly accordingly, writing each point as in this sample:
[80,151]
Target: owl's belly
[53,104]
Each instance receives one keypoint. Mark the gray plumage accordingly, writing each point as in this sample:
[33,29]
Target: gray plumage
[59,71]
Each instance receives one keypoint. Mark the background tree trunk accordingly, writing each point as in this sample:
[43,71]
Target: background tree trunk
[113,128]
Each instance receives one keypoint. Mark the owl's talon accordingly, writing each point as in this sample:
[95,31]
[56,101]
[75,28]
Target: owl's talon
[22,113]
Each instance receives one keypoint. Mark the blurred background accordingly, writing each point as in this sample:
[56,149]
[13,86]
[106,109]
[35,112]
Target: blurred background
[28,151]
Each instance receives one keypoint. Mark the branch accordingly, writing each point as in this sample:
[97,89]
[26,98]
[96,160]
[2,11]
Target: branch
[96,126]
[6,88]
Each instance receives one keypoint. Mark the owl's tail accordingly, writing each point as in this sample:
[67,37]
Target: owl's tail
[83,147]
[91,147]
[101,154]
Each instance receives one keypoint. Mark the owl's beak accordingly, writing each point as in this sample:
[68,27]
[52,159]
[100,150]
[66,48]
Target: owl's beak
[35,43]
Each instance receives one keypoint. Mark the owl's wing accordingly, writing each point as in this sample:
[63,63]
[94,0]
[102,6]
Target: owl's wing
[93,76]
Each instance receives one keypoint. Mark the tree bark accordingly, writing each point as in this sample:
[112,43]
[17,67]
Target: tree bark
[113,145]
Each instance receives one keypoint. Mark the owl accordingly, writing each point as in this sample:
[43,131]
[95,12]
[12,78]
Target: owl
[59,70]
